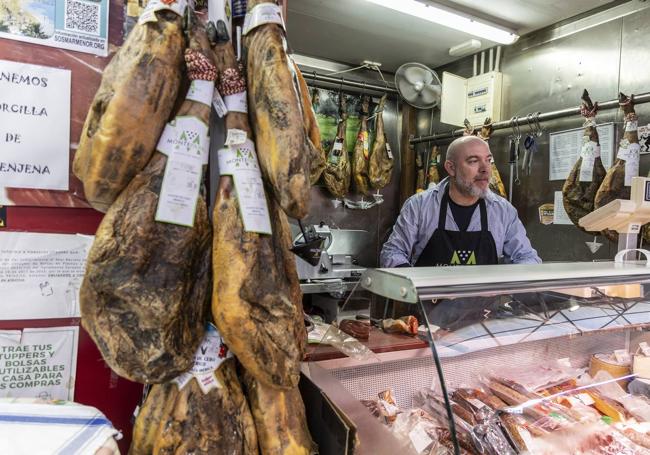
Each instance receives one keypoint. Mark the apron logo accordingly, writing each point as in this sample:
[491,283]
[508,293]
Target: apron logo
[463,257]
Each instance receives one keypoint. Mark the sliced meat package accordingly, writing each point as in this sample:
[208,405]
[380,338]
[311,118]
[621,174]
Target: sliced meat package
[276,113]
[256,297]
[337,173]
[134,101]
[145,293]
[279,417]
[618,180]
[586,176]
[361,153]
[203,411]
[381,159]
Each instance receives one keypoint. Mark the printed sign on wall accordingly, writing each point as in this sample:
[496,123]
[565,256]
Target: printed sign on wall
[38,363]
[34,126]
[40,274]
[78,25]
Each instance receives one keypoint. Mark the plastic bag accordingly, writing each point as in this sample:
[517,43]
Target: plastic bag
[416,429]
[328,334]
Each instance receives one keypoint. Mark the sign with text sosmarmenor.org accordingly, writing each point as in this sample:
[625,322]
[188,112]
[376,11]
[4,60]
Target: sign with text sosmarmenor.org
[34,126]
[78,25]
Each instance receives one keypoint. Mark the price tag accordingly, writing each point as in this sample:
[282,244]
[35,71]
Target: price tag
[337,149]
[389,151]
[235,137]
[622,357]
[630,153]
[478,404]
[632,125]
[589,152]
[419,438]
[240,161]
[645,349]
[586,399]
[219,105]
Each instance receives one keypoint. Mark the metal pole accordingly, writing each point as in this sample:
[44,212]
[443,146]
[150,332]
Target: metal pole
[311,75]
[568,112]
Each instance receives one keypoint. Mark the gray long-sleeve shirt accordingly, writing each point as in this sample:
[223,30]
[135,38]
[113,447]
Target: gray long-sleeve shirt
[419,218]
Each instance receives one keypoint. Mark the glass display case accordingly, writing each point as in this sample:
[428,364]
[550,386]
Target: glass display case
[544,358]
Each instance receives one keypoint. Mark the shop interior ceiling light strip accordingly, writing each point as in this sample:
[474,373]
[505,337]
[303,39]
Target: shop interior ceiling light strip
[449,18]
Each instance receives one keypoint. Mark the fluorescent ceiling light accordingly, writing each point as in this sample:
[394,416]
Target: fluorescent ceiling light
[451,19]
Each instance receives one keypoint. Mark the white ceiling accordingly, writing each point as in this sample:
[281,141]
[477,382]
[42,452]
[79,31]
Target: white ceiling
[350,31]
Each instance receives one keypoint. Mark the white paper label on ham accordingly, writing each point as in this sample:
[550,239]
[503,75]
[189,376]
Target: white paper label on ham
[590,151]
[212,352]
[235,137]
[631,125]
[186,135]
[219,105]
[629,153]
[185,142]
[149,13]
[241,162]
[237,102]
[201,92]
[389,151]
[264,13]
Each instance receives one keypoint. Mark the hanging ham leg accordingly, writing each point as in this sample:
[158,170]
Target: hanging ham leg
[129,111]
[627,160]
[381,158]
[279,419]
[579,190]
[276,117]
[256,298]
[145,294]
[317,156]
[361,152]
[337,172]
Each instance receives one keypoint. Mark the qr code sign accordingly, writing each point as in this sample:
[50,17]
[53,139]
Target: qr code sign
[82,17]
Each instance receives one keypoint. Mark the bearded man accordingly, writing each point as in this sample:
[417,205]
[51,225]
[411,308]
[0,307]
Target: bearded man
[442,226]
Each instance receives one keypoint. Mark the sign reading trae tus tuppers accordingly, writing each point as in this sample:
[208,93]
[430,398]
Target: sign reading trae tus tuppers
[38,362]
[34,126]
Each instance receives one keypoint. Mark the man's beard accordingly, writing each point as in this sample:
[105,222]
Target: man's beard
[468,188]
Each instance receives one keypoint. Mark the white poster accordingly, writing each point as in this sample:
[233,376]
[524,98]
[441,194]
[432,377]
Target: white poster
[38,363]
[78,25]
[34,126]
[559,214]
[40,274]
[565,146]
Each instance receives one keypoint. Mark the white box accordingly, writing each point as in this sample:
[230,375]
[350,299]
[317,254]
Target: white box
[473,99]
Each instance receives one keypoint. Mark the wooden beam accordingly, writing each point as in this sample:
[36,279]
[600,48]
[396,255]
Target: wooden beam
[407,155]
[283,4]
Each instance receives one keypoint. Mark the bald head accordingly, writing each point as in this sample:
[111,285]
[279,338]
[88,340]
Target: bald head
[455,149]
[469,165]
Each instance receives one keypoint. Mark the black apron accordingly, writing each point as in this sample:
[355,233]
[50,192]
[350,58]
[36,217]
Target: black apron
[459,247]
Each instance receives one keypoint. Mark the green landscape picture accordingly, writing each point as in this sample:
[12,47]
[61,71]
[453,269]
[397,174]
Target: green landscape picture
[30,18]
[327,115]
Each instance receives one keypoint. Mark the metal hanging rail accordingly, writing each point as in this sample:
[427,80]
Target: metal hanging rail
[568,112]
[314,76]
